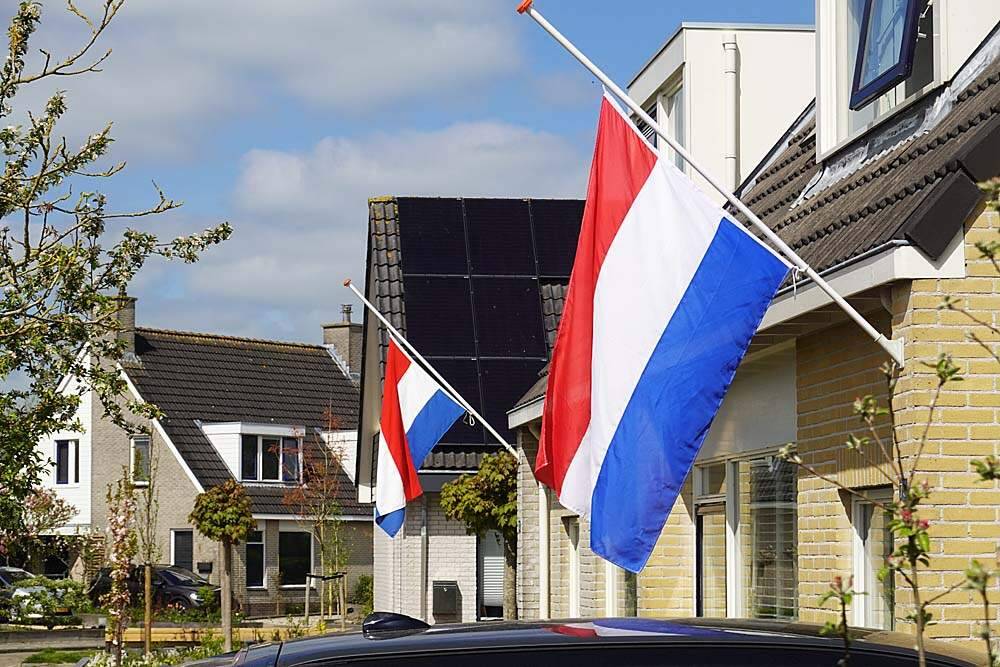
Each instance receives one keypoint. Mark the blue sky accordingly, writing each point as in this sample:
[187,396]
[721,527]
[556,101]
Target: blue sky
[284,117]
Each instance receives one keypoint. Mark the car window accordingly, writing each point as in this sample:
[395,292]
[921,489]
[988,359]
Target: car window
[14,574]
[624,656]
[180,577]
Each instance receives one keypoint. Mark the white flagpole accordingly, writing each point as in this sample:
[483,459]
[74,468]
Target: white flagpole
[893,347]
[426,364]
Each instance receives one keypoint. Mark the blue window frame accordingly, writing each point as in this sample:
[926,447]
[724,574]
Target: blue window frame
[886,47]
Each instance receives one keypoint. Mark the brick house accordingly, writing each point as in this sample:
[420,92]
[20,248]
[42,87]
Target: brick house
[884,202]
[460,278]
[248,409]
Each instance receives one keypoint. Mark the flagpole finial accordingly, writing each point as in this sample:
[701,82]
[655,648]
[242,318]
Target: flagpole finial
[347,282]
[524,6]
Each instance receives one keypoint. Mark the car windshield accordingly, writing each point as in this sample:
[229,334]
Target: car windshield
[180,577]
[14,574]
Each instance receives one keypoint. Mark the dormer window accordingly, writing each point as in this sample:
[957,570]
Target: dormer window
[265,458]
[887,42]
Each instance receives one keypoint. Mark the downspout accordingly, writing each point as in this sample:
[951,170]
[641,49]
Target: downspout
[730,82]
[424,548]
[543,538]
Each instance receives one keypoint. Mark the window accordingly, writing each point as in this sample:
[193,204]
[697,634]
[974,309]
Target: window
[67,463]
[294,557]
[872,545]
[769,536]
[270,458]
[182,549]
[646,130]
[140,459]
[673,106]
[710,540]
[255,559]
[886,46]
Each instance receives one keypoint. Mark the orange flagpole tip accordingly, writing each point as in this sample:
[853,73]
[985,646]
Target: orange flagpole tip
[524,6]
[347,282]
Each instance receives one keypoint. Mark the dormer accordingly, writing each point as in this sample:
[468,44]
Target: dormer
[877,58]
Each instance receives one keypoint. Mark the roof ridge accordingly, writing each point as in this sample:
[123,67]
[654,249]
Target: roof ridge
[224,337]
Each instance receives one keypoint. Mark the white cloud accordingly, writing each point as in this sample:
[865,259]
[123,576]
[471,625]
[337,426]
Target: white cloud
[303,218]
[180,68]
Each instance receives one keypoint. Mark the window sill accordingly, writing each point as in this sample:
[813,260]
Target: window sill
[140,485]
[256,589]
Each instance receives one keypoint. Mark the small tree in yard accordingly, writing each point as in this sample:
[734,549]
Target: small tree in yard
[121,549]
[223,514]
[148,507]
[43,512]
[487,501]
[65,257]
[315,500]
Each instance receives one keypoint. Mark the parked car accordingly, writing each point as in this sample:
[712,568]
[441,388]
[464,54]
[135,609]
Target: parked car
[172,585]
[392,639]
[15,592]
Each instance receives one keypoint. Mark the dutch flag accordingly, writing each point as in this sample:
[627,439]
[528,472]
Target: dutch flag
[416,413]
[665,295]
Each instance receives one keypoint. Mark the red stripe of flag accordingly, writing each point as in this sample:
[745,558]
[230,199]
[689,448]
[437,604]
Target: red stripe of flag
[391,422]
[622,163]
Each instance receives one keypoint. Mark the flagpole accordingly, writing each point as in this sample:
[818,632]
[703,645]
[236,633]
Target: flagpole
[893,347]
[426,364]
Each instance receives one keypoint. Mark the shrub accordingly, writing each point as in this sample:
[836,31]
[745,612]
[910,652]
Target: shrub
[364,594]
[49,602]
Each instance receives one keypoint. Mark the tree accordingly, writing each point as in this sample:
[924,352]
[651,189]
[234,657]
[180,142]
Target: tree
[222,513]
[487,501]
[43,512]
[121,549]
[65,257]
[147,510]
[315,500]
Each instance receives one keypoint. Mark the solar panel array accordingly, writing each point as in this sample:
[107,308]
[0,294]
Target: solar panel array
[471,275]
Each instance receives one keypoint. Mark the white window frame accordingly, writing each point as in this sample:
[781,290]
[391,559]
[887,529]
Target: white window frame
[173,553]
[281,459]
[573,534]
[672,117]
[312,561]
[863,608]
[732,574]
[131,458]
[72,463]
[263,546]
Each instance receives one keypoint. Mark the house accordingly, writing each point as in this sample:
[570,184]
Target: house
[711,86]
[461,279]
[874,184]
[254,410]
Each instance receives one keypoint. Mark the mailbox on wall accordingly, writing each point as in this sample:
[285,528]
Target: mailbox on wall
[446,598]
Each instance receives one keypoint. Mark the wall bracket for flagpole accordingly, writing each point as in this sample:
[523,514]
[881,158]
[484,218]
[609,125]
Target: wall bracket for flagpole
[894,348]
[412,351]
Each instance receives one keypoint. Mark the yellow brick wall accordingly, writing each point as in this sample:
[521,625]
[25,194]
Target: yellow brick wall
[964,516]
[834,367]
[666,586]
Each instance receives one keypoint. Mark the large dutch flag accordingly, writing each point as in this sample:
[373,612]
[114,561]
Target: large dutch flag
[665,295]
[416,413]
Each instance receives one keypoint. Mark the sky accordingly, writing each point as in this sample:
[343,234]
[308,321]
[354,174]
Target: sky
[283,117]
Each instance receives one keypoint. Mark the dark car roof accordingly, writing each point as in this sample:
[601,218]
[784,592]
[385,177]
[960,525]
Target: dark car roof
[492,636]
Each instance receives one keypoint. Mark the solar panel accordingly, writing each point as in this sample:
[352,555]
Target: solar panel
[557,225]
[432,236]
[508,317]
[499,236]
[463,375]
[505,381]
[485,333]
[439,316]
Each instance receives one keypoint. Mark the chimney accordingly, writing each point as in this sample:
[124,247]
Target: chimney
[344,340]
[125,325]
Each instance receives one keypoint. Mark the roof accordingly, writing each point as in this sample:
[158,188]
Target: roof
[720,641]
[476,286]
[704,25]
[196,377]
[910,180]
[918,187]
